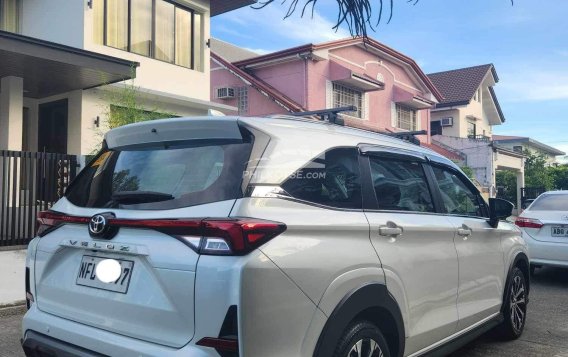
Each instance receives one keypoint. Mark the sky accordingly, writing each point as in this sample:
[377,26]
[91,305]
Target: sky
[527,42]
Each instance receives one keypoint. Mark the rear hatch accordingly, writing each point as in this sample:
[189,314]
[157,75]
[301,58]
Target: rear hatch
[152,183]
[550,215]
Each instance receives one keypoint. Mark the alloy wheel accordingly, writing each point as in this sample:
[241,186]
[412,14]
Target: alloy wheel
[366,347]
[518,303]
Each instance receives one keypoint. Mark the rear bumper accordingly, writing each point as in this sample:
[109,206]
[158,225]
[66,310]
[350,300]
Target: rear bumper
[45,332]
[547,253]
[39,345]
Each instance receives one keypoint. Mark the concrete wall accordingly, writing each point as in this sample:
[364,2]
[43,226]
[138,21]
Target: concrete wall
[158,75]
[479,156]
[460,114]
[258,103]
[550,159]
[60,21]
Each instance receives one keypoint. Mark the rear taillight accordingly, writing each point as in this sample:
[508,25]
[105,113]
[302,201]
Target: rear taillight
[231,237]
[47,221]
[29,295]
[211,236]
[528,222]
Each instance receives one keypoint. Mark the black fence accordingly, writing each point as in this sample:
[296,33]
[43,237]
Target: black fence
[30,182]
[530,193]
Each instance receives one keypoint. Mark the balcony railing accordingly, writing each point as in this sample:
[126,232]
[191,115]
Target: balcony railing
[479,137]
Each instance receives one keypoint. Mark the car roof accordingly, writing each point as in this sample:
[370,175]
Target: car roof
[557,192]
[293,140]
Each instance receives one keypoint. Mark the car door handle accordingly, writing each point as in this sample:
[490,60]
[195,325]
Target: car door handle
[464,231]
[390,231]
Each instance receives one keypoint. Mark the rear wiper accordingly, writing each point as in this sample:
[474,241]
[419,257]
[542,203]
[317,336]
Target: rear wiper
[135,197]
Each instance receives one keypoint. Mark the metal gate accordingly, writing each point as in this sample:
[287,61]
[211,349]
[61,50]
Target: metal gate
[30,182]
[528,193]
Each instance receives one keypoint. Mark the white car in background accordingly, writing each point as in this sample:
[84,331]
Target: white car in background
[545,229]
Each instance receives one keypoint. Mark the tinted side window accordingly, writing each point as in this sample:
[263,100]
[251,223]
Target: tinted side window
[457,195]
[400,185]
[332,179]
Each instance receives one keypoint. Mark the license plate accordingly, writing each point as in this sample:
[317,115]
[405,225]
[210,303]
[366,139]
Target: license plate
[560,231]
[87,276]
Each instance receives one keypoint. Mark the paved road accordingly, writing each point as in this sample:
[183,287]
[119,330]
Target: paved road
[546,332]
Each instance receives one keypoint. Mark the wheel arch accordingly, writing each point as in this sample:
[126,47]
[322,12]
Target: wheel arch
[520,261]
[371,302]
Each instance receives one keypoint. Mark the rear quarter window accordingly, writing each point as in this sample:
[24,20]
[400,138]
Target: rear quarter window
[331,179]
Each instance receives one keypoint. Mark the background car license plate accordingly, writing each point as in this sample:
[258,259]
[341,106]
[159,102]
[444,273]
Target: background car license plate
[87,277]
[560,231]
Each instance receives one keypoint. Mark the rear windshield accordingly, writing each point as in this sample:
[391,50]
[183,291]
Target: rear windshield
[164,177]
[550,203]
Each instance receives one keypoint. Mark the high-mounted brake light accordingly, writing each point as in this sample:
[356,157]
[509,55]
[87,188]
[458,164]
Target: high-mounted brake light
[211,236]
[528,222]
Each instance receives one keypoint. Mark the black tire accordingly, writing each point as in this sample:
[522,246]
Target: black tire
[361,336]
[514,306]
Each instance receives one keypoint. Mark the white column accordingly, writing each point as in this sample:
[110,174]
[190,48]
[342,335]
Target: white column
[11,113]
[520,183]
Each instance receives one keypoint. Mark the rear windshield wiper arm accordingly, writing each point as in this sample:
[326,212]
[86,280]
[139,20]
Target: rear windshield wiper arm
[135,197]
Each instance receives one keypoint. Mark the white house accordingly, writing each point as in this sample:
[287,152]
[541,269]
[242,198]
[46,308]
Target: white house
[61,64]
[463,124]
[58,58]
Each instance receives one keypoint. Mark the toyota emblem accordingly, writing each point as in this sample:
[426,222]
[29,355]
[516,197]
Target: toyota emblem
[99,226]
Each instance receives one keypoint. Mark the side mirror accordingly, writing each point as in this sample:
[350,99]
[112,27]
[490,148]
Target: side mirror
[499,209]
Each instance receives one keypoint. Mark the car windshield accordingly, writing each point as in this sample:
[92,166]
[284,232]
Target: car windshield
[164,177]
[556,202]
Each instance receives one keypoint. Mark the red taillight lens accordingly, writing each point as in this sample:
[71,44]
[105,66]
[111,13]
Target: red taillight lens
[212,236]
[220,344]
[528,222]
[236,237]
[48,221]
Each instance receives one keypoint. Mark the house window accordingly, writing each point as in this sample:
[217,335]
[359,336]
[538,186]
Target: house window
[405,118]
[10,15]
[242,100]
[154,28]
[471,129]
[344,97]
[518,148]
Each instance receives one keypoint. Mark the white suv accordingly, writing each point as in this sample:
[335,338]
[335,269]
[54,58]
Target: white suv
[270,237]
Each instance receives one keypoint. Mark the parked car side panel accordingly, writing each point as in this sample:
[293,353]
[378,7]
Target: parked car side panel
[481,268]
[423,259]
[339,240]
[274,314]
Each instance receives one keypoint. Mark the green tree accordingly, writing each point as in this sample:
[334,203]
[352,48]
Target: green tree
[559,176]
[506,182]
[125,104]
[537,174]
[358,15]
[468,171]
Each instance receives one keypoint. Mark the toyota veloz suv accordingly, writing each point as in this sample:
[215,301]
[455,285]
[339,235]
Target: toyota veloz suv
[270,237]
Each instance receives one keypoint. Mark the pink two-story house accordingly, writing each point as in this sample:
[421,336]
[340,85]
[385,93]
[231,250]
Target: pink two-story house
[390,91]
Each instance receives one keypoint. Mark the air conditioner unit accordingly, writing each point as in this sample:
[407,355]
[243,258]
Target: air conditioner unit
[447,121]
[225,93]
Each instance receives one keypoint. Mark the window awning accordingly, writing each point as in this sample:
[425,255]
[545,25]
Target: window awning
[360,81]
[410,100]
[49,68]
